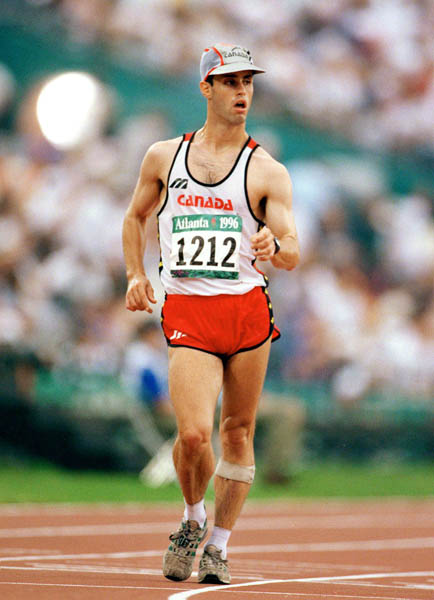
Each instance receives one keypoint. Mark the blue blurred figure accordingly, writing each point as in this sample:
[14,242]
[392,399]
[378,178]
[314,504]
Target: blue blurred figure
[145,368]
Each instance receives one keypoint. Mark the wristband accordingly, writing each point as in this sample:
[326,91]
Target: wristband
[276,245]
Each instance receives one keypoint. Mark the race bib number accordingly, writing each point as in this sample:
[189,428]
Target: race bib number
[206,246]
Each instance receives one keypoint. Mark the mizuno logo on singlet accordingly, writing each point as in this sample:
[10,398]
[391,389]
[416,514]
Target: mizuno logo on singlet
[179,183]
[203,202]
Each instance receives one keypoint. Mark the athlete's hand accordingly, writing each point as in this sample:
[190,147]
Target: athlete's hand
[262,244]
[139,294]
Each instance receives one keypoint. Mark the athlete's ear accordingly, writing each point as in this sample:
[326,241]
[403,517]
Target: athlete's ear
[205,89]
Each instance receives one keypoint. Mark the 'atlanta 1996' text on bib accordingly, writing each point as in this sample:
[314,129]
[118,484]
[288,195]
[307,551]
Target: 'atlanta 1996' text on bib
[206,246]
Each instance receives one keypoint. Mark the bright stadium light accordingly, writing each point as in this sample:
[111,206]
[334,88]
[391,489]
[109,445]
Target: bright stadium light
[71,109]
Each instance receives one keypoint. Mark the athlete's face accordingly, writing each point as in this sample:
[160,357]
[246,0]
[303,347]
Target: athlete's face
[231,95]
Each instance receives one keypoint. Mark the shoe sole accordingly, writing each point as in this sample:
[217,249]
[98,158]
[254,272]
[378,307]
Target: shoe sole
[172,578]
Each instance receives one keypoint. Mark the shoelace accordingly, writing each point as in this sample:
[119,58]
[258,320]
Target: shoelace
[214,559]
[184,540]
[186,532]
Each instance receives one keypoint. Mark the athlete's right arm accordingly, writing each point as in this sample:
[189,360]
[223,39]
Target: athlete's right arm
[145,199]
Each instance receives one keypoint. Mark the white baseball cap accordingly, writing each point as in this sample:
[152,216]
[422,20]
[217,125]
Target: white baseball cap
[226,58]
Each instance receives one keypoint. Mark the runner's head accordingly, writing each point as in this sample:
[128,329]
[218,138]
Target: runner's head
[226,58]
[227,82]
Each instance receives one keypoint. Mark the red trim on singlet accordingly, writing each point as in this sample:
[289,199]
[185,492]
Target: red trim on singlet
[252,144]
[188,136]
[259,271]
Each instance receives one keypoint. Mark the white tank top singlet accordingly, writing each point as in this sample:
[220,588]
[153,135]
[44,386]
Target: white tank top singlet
[205,228]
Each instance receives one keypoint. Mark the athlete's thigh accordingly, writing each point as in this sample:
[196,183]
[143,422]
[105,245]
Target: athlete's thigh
[195,381]
[243,381]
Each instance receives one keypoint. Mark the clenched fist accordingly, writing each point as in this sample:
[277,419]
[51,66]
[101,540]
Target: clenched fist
[139,294]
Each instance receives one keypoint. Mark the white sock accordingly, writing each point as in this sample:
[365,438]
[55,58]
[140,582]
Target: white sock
[195,512]
[220,538]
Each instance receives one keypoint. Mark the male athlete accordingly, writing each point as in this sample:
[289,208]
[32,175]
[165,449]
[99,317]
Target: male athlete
[223,203]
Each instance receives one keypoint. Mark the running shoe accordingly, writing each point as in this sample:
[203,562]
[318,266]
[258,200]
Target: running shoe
[212,567]
[179,557]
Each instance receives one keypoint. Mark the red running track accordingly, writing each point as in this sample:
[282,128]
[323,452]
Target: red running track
[297,551]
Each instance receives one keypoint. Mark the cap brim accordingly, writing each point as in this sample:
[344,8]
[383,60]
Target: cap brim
[234,68]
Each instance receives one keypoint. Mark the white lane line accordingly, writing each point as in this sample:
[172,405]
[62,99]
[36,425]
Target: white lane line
[196,592]
[322,505]
[398,585]
[244,524]
[116,529]
[87,569]
[355,545]
[20,551]
[79,508]
[82,585]
[88,555]
[310,595]
[105,570]
[131,587]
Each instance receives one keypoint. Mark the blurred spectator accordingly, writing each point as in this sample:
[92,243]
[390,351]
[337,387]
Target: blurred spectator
[18,374]
[145,368]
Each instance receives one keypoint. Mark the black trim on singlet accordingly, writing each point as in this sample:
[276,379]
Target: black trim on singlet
[265,278]
[160,262]
[249,206]
[208,185]
[169,174]
[246,192]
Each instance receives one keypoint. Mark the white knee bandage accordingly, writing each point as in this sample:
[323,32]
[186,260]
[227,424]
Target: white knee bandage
[229,470]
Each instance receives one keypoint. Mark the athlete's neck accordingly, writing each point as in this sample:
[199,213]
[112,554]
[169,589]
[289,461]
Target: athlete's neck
[221,137]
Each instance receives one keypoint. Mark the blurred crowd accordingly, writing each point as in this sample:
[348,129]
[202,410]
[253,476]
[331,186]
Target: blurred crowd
[358,312]
[361,67]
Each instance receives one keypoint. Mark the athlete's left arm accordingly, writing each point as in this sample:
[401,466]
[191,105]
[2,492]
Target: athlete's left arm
[279,221]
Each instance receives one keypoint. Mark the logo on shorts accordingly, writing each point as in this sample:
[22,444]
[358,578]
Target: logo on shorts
[177,334]
[179,183]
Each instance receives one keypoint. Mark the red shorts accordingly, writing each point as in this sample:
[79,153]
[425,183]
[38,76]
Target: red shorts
[222,325]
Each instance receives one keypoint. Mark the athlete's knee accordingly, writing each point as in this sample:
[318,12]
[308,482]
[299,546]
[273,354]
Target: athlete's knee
[194,439]
[237,435]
